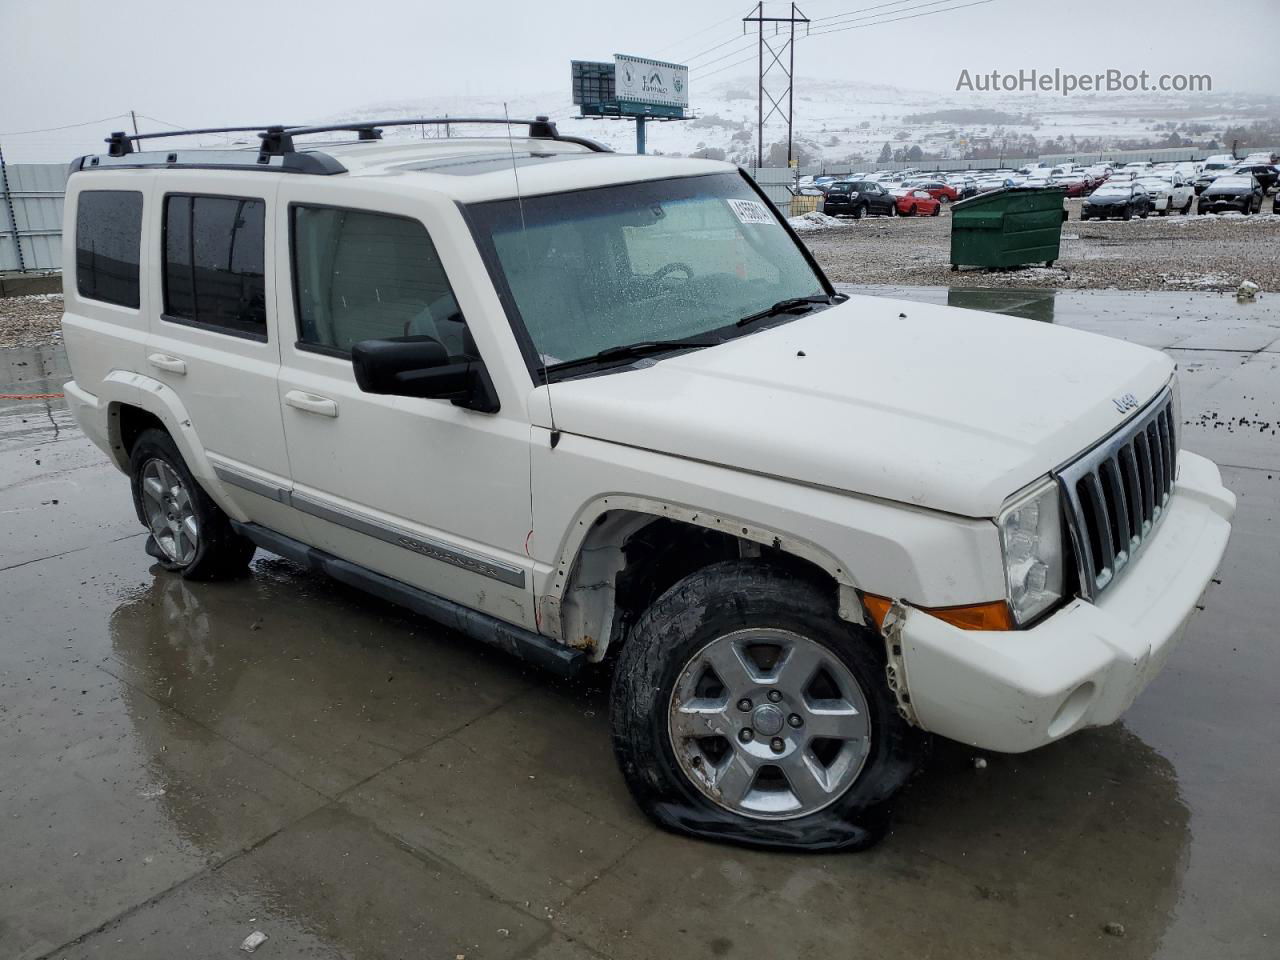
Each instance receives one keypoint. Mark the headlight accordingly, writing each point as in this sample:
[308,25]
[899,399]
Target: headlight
[1031,540]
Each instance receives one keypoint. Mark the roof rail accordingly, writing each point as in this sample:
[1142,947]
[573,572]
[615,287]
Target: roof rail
[277,150]
[277,139]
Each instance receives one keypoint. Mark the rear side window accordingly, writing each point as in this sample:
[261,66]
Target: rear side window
[108,240]
[369,276]
[214,263]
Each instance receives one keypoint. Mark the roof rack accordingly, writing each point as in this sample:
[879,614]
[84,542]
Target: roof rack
[277,150]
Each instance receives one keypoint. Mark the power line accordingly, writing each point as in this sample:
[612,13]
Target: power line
[927,13]
[698,33]
[68,126]
[847,13]
[848,25]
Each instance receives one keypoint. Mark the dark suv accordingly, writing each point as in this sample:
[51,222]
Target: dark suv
[853,198]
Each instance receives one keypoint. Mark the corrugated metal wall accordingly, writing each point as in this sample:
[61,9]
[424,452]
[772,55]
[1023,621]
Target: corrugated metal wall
[35,195]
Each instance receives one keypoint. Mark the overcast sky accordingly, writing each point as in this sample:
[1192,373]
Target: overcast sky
[237,61]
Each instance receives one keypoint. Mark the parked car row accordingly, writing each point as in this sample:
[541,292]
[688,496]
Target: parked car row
[1138,188]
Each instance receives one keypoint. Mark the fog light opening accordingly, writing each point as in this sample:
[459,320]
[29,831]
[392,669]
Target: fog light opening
[1072,709]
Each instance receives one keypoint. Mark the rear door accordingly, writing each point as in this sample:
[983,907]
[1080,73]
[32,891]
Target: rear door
[210,338]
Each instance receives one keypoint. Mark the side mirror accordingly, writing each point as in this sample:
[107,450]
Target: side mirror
[420,367]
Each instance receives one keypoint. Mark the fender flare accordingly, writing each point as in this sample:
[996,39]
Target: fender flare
[123,387]
[554,617]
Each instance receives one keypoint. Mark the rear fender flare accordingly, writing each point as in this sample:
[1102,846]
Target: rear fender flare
[124,388]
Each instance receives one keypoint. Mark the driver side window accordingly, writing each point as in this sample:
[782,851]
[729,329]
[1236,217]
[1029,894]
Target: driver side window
[366,276]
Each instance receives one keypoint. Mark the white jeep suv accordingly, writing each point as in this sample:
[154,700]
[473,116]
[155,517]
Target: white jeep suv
[601,408]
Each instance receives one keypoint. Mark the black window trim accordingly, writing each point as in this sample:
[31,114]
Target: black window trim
[497,276]
[323,349]
[265,336]
[142,223]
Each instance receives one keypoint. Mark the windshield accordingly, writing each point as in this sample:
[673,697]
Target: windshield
[1113,190]
[658,260]
[1232,182]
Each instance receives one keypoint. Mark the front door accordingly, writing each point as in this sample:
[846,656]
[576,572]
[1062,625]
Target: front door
[423,491]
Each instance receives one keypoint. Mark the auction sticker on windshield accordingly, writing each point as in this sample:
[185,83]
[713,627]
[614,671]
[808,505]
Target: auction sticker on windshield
[750,211]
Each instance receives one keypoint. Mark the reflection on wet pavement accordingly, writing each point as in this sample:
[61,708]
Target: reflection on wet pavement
[184,763]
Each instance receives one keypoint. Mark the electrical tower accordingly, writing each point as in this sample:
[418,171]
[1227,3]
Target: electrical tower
[783,45]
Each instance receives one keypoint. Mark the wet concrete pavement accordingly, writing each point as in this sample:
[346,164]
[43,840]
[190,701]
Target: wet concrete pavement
[182,764]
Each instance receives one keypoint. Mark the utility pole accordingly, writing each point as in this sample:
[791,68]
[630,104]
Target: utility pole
[133,116]
[788,47]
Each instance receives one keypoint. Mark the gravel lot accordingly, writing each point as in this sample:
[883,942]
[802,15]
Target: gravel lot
[1211,252]
[30,321]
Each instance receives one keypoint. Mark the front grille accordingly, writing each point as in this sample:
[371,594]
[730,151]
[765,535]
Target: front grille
[1116,493]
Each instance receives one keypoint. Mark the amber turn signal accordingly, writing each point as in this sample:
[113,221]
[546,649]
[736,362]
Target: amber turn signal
[974,616]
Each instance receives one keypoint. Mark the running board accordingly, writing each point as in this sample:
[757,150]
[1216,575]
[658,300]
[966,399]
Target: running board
[517,641]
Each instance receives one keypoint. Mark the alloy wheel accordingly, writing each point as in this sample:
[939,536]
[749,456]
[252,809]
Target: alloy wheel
[769,724]
[170,512]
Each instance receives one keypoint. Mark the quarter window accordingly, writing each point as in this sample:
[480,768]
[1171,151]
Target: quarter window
[108,239]
[369,276]
[214,263]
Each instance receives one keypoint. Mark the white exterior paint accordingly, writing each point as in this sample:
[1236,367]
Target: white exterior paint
[881,455]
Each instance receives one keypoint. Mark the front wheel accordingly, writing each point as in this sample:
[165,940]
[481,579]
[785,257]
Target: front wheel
[189,532]
[744,710]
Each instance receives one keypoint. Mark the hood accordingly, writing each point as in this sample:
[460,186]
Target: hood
[1227,190]
[940,407]
[1102,200]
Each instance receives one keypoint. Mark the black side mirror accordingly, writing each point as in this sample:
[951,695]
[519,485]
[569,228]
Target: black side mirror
[420,367]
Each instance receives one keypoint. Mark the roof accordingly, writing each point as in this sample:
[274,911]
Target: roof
[468,170]
[485,168]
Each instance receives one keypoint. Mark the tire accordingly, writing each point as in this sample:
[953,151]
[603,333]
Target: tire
[911,211]
[859,210]
[1084,216]
[893,210]
[1128,213]
[1144,213]
[189,532]
[737,606]
[1186,207]
[1164,212]
[936,210]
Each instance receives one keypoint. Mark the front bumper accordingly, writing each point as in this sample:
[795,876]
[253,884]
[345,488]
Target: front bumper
[1084,665]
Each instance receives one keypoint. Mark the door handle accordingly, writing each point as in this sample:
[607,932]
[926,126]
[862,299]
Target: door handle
[166,362]
[310,403]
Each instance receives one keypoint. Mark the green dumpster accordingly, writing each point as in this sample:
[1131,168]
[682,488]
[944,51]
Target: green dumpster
[1007,228]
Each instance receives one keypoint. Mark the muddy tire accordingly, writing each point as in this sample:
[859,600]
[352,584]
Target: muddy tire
[744,758]
[189,532]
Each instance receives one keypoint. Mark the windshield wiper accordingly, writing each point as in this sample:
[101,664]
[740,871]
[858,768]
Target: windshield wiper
[631,351]
[791,305]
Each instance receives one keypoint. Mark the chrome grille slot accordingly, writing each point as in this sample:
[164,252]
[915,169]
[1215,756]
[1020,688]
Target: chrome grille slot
[1115,494]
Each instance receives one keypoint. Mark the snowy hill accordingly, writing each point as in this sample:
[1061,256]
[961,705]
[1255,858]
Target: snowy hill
[838,122]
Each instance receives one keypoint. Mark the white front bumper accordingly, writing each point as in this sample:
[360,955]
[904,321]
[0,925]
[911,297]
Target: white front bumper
[1084,665]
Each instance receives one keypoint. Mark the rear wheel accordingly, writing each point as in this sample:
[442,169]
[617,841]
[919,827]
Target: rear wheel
[189,532]
[744,710]
[1186,207]
[859,210]
[936,210]
[1128,213]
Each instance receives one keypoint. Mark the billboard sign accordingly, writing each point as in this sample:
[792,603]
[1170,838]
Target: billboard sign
[639,80]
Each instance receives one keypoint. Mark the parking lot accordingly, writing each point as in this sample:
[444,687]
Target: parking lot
[182,764]
[1174,252]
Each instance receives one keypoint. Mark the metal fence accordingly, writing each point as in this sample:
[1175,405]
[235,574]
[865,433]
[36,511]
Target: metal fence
[31,216]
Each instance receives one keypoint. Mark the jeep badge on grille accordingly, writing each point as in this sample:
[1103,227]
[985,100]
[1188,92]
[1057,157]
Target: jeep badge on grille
[1125,402]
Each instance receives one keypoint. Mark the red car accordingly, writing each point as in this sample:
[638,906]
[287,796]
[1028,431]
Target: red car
[937,189]
[916,202]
